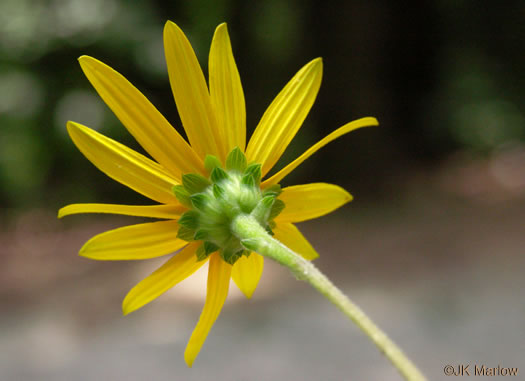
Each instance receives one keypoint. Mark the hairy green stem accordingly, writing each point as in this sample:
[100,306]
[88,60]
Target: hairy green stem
[254,237]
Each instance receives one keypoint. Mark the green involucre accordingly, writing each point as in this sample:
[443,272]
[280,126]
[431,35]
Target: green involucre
[216,201]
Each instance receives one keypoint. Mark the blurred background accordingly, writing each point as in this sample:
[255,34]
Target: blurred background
[431,247]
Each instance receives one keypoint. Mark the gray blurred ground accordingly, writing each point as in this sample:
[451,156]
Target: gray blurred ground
[442,275]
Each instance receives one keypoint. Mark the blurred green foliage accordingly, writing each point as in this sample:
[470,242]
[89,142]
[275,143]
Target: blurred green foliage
[440,76]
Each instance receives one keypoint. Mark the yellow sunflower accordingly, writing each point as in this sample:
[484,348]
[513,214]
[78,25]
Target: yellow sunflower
[202,185]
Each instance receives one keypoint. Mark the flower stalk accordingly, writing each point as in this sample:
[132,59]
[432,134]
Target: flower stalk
[254,237]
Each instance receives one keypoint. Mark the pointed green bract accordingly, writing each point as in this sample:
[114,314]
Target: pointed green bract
[262,211]
[277,208]
[272,190]
[254,170]
[218,191]
[182,195]
[195,183]
[201,235]
[199,201]
[211,162]
[185,233]
[231,255]
[210,247]
[189,219]
[236,160]
[205,250]
[248,180]
[201,253]
[251,243]
[218,174]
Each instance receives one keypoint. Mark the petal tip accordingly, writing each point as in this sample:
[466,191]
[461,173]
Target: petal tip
[221,32]
[84,58]
[170,26]
[73,129]
[87,63]
[370,121]
[189,359]
[317,62]
[70,125]
[126,310]
[85,252]
[83,249]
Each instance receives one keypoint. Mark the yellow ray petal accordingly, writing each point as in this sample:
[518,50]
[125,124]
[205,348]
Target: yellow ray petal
[363,122]
[154,211]
[290,236]
[284,116]
[141,241]
[142,119]
[304,202]
[218,283]
[123,164]
[191,93]
[246,273]
[175,270]
[227,96]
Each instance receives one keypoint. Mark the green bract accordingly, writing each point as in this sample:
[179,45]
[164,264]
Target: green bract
[215,201]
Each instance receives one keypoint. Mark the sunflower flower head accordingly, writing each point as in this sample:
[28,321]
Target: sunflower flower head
[202,185]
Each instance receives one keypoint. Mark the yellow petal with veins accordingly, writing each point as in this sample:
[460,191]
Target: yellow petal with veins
[123,164]
[142,119]
[290,236]
[171,212]
[284,116]
[363,122]
[191,94]
[227,96]
[304,202]
[175,270]
[246,273]
[141,241]
[219,273]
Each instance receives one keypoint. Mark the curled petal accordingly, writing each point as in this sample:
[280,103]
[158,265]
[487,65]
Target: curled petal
[363,122]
